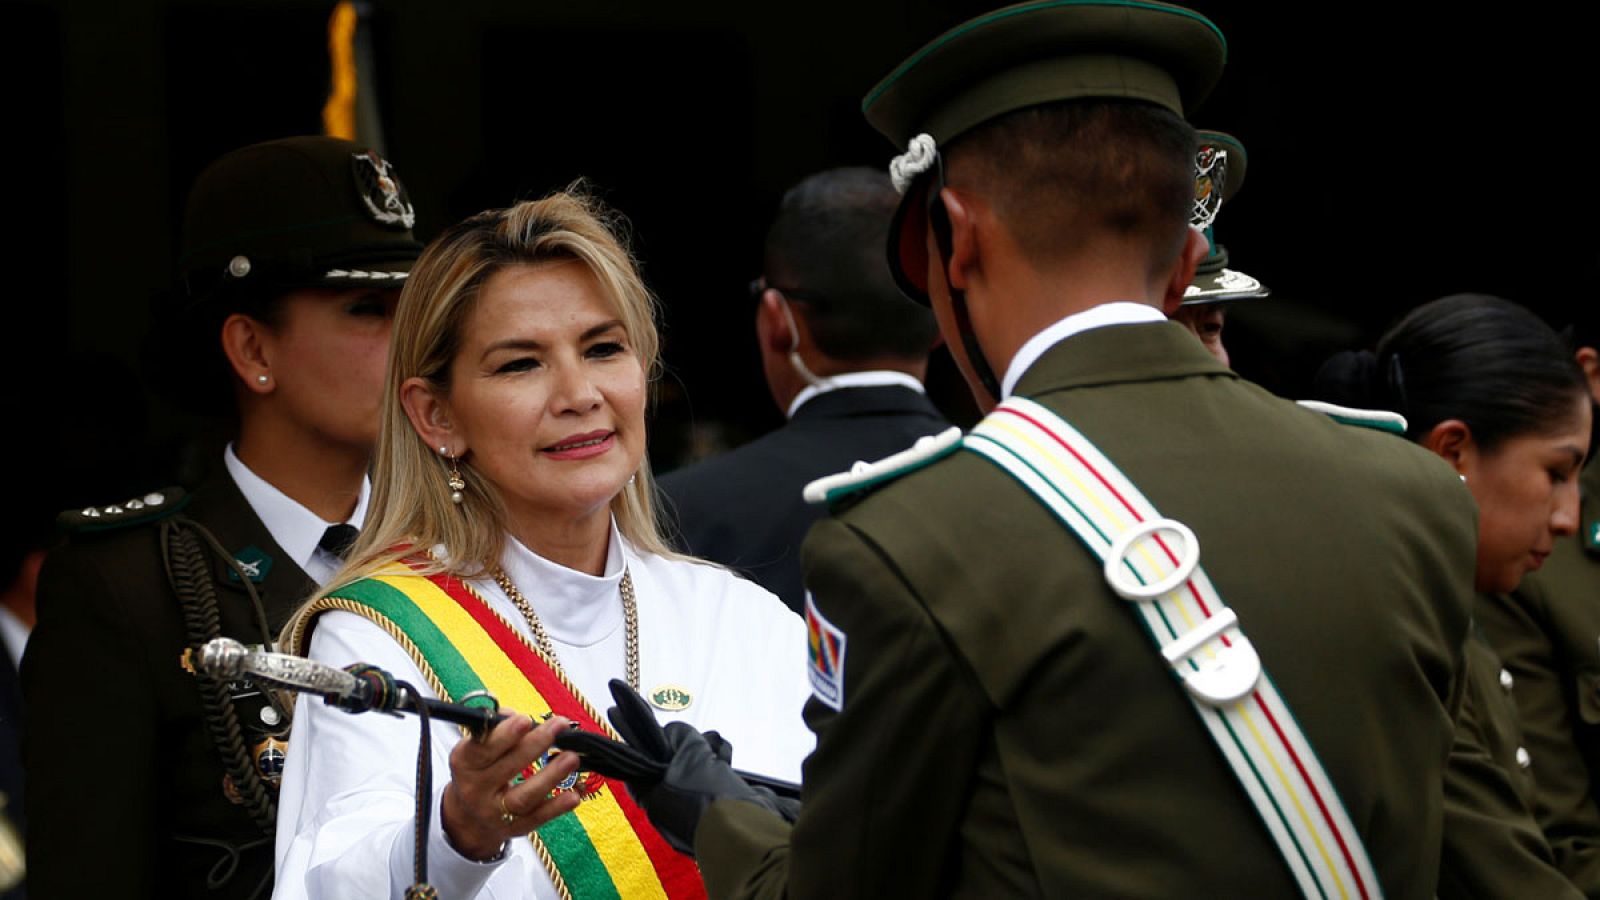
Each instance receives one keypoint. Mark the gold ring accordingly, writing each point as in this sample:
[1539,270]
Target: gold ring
[505,814]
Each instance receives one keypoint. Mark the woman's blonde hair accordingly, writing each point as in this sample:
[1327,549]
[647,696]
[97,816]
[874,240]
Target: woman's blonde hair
[410,505]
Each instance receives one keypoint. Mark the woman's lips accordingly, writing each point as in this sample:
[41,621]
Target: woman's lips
[581,446]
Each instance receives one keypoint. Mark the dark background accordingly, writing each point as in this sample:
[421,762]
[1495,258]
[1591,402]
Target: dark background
[1394,158]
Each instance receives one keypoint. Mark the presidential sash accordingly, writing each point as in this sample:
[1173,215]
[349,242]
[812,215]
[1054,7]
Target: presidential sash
[607,847]
[1197,635]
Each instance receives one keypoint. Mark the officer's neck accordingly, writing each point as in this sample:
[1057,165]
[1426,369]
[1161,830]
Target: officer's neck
[322,475]
[1012,302]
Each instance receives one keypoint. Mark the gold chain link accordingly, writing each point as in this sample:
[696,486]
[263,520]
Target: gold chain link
[630,620]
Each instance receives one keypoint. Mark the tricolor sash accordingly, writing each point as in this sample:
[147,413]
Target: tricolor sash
[1197,635]
[607,847]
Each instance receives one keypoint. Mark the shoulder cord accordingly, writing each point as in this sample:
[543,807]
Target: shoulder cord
[190,579]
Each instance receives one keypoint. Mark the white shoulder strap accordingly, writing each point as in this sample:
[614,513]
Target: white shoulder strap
[1153,562]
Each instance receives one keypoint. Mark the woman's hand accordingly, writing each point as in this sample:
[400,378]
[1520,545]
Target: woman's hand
[481,809]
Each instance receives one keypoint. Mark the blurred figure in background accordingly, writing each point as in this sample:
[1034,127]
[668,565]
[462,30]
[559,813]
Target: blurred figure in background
[1219,174]
[845,355]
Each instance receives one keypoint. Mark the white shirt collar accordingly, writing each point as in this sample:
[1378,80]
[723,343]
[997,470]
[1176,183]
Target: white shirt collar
[871,378]
[576,608]
[296,529]
[1117,312]
[14,634]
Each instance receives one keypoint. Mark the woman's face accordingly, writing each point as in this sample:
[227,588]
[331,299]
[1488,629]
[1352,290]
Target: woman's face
[547,396]
[326,356]
[1527,493]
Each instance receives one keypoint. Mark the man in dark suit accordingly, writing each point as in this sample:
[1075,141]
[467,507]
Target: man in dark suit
[844,355]
[143,779]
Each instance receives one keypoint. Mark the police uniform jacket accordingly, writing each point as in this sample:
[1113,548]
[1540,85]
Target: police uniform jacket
[743,509]
[1548,636]
[1008,730]
[125,783]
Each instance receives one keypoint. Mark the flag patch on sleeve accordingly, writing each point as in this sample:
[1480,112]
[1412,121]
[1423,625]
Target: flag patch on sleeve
[825,645]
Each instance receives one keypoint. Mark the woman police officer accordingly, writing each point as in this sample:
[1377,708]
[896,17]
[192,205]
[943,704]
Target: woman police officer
[292,254]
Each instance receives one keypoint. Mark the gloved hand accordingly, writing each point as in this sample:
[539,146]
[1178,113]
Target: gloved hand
[674,773]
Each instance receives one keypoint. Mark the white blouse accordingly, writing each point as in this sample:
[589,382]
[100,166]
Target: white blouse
[346,806]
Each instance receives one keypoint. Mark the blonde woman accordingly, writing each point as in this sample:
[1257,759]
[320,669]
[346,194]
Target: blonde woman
[511,547]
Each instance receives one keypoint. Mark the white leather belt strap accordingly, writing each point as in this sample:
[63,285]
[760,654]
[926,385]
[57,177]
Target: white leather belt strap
[1153,563]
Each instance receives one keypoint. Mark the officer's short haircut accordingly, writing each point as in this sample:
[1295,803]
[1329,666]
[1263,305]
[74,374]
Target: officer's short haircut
[826,246]
[1062,173]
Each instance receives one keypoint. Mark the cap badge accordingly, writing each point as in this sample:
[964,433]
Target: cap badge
[381,191]
[1210,172]
[670,697]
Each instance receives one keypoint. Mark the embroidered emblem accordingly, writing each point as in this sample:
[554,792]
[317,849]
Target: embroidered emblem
[670,697]
[255,563]
[380,190]
[270,757]
[1210,173]
[825,645]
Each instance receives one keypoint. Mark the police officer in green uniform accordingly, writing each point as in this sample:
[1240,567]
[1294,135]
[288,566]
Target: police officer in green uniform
[992,719]
[1547,633]
[1219,170]
[143,779]
[1490,388]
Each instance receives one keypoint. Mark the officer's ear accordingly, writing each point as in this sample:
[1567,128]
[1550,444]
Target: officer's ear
[1195,248]
[244,344]
[429,411]
[1451,440]
[961,225]
[774,328]
[1589,360]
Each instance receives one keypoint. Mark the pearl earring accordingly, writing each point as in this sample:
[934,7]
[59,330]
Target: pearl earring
[453,479]
[262,379]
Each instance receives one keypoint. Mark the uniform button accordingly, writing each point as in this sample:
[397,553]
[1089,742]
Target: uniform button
[269,715]
[91,513]
[155,499]
[1523,759]
[239,266]
[113,510]
[135,503]
[1506,681]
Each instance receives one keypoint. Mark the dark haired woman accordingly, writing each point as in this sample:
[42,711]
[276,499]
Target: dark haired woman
[1547,632]
[142,779]
[1490,389]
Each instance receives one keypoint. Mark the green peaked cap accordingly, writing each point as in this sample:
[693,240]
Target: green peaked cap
[1047,51]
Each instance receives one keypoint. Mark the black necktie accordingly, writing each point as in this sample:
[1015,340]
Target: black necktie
[338,538]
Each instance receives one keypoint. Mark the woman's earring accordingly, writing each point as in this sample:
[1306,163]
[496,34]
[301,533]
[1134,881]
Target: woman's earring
[456,482]
[262,379]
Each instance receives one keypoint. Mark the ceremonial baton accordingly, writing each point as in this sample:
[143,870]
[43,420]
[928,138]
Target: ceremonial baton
[362,688]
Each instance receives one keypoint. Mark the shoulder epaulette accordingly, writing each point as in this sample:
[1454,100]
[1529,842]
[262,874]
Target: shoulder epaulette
[864,475]
[1376,419]
[149,507]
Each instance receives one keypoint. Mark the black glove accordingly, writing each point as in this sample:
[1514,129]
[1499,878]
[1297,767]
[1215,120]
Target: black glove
[674,773]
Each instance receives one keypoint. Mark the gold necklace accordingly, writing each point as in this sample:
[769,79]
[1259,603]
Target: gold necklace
[630,623]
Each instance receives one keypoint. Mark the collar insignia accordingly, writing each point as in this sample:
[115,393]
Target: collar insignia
[255,563]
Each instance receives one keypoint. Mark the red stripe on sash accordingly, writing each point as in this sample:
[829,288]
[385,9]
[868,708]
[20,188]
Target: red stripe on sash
[679,874]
